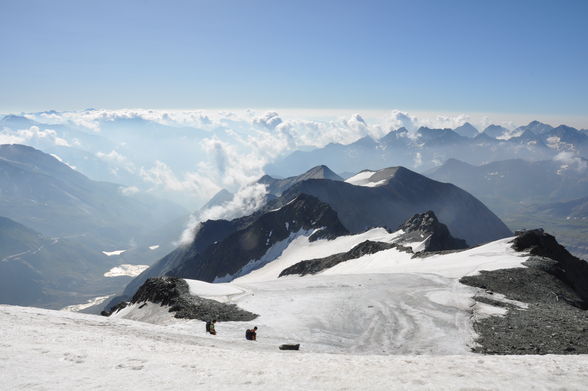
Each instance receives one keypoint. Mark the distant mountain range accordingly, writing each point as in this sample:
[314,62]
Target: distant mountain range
[505,185]
[56,224]
[41,192]
[548,193]
[36,270]
[570,210]
[427,148]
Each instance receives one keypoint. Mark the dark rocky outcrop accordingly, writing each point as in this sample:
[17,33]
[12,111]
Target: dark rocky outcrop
[553,285]
[420,227]
[426,225]
[317,265]
[228,256]
[571,270]
[175,293]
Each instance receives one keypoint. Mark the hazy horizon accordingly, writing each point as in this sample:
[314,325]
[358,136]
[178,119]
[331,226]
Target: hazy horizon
[417,56]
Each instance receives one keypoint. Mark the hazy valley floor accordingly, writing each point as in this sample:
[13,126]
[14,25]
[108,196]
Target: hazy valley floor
[49,350]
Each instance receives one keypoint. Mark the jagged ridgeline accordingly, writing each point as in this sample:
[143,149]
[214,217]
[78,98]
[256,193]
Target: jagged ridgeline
[419,235]
[423,228]
[318,204]
[425,148]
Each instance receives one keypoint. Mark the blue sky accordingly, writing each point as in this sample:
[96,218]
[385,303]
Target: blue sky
[466,56]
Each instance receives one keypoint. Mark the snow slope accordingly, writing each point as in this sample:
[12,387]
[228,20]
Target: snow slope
[492,256]
[363,179]
[52,350]
[382,303]
[301,249]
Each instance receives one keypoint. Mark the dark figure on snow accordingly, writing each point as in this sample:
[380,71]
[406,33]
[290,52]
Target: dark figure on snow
[251,334]
[210,327]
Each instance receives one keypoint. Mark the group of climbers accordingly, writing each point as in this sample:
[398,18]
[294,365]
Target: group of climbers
[250,334]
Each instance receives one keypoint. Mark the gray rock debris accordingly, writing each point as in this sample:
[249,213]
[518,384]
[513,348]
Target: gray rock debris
[175,293]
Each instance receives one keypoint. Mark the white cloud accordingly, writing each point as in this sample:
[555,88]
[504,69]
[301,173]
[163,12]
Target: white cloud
[162,176]
[399,119]
[246,201]
[7,137]
[240,144]
[418,159]
[570,160]
[130,190]
[35,133]
[118,159]
[269,120]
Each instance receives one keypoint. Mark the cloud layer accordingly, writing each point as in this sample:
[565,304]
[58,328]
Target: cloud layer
[199,152]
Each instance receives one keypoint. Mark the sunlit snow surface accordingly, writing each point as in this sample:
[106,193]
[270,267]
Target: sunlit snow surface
[88,304]
[383,321]
[126,270]
[363,179]
[53,350]
[382,303]
[111,253]
[300,248]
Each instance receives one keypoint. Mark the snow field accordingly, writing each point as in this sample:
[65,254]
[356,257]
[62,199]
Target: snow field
[363,179]
[52,350]
[126,270]
[300,249]
[492,256]
[382,303]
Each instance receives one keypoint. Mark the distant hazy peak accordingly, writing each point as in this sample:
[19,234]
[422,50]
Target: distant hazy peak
[484,137]
[223,196]
[366,141]
[536,127]
[35,160]
[466,130]
[278,186]
[320,172]
[12,121]
[495,131]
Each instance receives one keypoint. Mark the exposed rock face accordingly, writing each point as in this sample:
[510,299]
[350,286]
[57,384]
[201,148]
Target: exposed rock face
[254,237]
[317,265]
[425,225]
[401,194]
[210,231]
[571,270]
[416,229]
[175,293]
[553,286]
[356,209]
